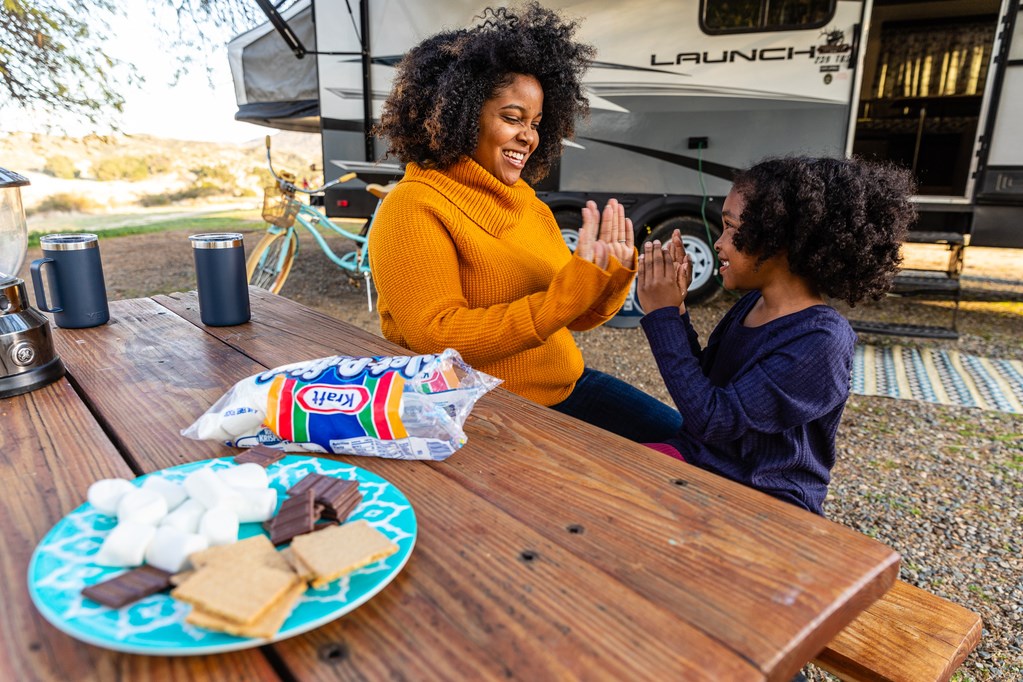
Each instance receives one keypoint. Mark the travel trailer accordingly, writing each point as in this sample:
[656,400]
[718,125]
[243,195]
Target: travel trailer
[683,92]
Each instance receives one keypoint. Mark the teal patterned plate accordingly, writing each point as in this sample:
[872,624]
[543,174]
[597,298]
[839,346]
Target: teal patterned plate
[61,566]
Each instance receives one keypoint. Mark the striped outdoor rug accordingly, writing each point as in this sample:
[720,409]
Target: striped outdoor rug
[938,376]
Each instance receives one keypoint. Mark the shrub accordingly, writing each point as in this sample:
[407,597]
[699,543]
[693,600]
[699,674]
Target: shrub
[122,168]
[158,163]
[60,167]
[150,200]
[63,202]
[166,198]
[218,177]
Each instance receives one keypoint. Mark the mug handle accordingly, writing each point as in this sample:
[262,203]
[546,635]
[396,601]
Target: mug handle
[37,285]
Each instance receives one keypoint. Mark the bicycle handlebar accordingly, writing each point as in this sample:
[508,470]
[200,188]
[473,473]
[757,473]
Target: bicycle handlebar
[289,186]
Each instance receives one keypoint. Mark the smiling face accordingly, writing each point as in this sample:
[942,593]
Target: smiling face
[739,271]
[508,128]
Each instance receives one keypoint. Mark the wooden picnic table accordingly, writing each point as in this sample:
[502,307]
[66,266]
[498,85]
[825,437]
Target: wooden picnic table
[547,548]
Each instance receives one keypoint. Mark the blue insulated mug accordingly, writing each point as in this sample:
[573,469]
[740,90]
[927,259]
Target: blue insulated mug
[74,274]
[221,279]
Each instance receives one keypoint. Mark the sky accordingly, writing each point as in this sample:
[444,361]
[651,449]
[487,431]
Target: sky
[191,110]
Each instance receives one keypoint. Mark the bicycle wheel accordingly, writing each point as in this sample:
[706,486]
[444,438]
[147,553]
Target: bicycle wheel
[270,263]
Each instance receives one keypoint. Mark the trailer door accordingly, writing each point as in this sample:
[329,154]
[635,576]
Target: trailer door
[998,215]
[925,87]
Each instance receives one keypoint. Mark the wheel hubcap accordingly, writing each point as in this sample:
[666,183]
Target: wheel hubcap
[703,260]
[571,238]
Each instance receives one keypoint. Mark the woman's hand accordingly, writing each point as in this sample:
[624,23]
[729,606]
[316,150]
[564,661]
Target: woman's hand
[606,234]
[589,248]
[657,283]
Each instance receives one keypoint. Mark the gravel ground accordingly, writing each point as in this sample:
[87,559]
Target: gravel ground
[942,485]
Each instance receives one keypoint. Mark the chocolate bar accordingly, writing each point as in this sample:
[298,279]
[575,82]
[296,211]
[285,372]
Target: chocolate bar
[128,587]
[260,454]
[296,516]
[338,497]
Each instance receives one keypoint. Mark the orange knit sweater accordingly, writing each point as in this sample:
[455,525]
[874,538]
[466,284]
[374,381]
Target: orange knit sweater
[463,261]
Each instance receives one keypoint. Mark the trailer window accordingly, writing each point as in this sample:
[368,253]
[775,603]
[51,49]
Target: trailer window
[745,16]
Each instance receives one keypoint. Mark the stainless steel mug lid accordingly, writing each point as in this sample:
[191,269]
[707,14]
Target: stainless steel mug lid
[216,240]
[68,242]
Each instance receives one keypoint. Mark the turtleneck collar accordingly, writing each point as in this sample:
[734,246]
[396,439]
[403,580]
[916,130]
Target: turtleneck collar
[487,201]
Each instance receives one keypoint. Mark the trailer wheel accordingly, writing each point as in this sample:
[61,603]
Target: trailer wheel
[699,247]
[569,221]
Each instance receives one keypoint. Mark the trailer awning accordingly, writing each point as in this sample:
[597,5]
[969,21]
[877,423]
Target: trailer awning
[302,117]
[272,86]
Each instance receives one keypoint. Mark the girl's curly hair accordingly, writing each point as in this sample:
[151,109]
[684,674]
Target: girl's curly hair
[840,222]
[432,114]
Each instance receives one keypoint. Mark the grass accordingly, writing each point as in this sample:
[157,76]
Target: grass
[226,221]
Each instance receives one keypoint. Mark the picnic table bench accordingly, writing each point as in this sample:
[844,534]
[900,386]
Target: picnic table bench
[908,635]
[547,548]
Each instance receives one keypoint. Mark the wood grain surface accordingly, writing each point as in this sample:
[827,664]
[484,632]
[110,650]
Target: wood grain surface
[910,635]
[51,450]
[769,582]
[547,549]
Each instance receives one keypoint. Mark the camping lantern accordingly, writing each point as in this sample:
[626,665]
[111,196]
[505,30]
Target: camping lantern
[27,358]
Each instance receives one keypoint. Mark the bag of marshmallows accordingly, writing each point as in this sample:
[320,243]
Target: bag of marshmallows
[399,407]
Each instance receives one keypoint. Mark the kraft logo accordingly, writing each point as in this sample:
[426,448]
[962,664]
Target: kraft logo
[328,399]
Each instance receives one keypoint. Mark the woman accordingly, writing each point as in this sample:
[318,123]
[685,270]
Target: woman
[463,253]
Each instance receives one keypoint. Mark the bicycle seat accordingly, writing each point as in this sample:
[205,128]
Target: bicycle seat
[380,191]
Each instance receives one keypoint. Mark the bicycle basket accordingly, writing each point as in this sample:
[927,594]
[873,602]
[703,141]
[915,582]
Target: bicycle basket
[279,209]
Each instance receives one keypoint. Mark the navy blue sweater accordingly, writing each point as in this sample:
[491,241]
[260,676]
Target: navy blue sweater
[759,405]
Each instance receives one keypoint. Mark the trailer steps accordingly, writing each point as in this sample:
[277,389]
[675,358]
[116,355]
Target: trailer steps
[899,329]
[928,237]
[926,284]
[933,285]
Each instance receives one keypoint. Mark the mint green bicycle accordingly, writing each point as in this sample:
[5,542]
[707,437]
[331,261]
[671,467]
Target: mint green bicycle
[270,262]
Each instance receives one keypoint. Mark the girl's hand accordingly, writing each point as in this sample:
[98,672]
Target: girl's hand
[605,235]
[683,263]
[657,283]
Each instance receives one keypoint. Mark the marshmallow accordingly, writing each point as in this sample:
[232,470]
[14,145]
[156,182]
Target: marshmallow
[126,544]
[174,493]
[255,504]
[206,487]
[241,421]
[247,475]
[170,548]
[186,517]
[219,525]
[142,505]
[208,428]
[105,494]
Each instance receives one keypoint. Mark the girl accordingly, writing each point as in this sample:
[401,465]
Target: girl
[762,401]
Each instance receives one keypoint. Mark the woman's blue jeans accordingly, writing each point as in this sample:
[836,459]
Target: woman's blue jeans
[613,405]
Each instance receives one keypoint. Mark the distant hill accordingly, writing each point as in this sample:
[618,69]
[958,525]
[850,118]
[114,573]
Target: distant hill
[172,164]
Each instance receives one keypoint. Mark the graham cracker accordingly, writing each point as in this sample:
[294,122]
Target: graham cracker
[266,625]
[254,551]
[237,593]
[339,550]
[297,565]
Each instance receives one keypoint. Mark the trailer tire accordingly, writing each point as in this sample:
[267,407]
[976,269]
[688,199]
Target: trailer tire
[569,221]
[700,248]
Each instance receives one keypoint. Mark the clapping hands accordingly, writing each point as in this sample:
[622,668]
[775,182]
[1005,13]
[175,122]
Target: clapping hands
[665,274]
[605,235]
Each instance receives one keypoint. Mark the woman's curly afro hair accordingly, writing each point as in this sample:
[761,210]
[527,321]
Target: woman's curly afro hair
[432,114]
[840,222]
